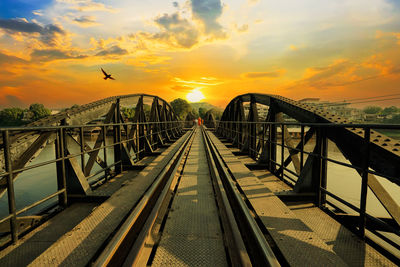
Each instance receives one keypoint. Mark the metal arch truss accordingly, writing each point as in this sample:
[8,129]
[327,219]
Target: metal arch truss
[209,120]
[363,147]
[141,136]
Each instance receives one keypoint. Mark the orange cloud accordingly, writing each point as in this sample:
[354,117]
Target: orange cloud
[260,75]
[85,21]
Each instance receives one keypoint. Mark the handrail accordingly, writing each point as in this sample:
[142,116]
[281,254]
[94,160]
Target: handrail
[141,137]
[268,143]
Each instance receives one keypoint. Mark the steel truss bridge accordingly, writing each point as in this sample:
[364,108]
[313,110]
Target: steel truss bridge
[259,187]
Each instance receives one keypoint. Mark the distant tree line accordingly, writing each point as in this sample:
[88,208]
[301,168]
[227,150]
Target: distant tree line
[182,108]
[129,112]
[19,116]
[391,114]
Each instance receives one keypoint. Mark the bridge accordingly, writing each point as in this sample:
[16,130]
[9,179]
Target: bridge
[273,182]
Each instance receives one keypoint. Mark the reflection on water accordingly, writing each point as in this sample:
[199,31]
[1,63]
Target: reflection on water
[35,184]
[345,182]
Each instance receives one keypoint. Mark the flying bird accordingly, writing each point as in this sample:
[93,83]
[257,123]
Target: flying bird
[107,76]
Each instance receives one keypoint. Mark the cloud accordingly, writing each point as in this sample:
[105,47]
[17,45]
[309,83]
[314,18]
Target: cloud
[175,31]
[53,54]
[396,35]
[257,75]
[181,88]
[208,81]
[114,50]
[326,75]
[13,101]
[86,21]
[37,12]
[253,2]
[243,28]
[208,12]
[48,33]
[344,72]
[88,5]
[7,59]
[148,59]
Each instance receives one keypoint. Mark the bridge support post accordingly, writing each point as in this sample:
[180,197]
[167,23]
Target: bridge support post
[117,138]
[313,175]
[240,126]
[253,128]
[10,187]
[323,171]
[364,183]
[60,143]
[104,133]
[140,118]
[272,139]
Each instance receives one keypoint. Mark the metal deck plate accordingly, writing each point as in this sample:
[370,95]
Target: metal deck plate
[77,247]
[297,242]
[347,245]
[344,243]
[41,238]
[192,235]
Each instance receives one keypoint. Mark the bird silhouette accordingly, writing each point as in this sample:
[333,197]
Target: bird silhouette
[107,76]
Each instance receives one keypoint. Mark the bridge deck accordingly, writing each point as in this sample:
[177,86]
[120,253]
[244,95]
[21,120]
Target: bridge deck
[41,238]
[344,243]
[79,245]
[192,235]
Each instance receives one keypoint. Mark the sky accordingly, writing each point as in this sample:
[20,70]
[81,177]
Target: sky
[51,51]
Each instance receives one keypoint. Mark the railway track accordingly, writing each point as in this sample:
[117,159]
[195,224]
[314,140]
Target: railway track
[192,215]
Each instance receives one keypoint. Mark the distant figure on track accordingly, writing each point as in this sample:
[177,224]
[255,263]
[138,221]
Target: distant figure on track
[107,76]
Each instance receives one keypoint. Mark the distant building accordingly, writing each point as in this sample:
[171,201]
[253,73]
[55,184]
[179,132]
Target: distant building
[340,109]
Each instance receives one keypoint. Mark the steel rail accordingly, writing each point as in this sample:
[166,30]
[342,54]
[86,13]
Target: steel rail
[261,252]
[390,178]
[233,239]
[116,251]
[2,174]
[24,129]
[136,249]
[322,124]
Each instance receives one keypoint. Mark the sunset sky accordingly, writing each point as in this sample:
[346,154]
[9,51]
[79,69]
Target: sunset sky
[51,51]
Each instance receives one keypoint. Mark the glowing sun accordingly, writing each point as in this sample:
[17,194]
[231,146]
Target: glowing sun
[195,96]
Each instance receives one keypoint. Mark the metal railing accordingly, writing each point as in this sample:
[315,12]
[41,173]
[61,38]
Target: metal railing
[262,142]
[130,143]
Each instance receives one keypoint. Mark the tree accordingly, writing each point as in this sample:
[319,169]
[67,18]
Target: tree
[195,113]
[129,113]
[395,119]
[372,109]
[181,107]
[38,111]
[147,110]
[389,110]
[216,112]
[202,112]
[11,117]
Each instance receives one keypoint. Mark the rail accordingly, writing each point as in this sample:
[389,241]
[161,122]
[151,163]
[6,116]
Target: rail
[260,251]
[245,242]
[74,158]
[306,162]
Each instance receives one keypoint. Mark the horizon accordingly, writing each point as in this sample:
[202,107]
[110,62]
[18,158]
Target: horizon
[214,49]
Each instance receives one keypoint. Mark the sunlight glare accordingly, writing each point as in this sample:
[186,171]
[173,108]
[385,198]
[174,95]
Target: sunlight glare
[195,96]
